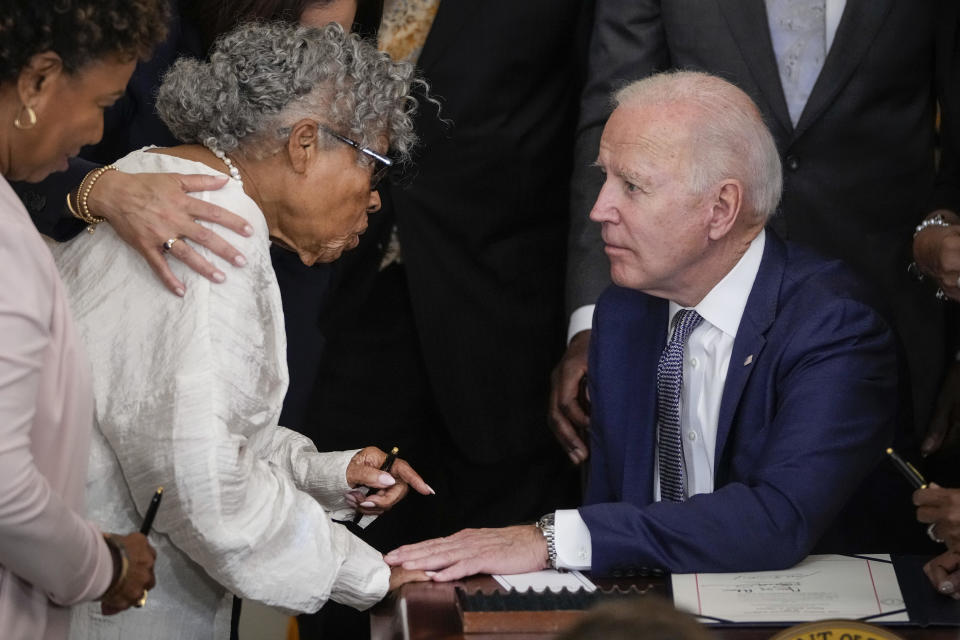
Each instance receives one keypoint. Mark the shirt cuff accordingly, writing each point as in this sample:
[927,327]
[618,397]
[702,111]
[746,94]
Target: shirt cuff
[363,578]
[580,320]
[326,479]
[572,538]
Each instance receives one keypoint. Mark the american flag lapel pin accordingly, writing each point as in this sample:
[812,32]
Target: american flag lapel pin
[748,360]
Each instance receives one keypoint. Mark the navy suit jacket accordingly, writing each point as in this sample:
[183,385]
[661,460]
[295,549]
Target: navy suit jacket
[808,406]
[859,166]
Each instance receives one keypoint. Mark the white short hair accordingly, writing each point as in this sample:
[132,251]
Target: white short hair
[728,136]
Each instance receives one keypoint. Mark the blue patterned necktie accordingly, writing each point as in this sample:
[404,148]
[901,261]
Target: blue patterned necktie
[669,380]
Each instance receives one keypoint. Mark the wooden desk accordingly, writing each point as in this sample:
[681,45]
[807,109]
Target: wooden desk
[428,611]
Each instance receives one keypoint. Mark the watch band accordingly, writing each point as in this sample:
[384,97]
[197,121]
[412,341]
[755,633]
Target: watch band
[547,527]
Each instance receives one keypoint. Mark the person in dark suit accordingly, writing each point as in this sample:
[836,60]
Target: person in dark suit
[939,507]
[445,349]
[742,387]
[857,148]
[446,352]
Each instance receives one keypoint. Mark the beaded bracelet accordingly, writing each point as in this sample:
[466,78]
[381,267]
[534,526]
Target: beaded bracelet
[82,210]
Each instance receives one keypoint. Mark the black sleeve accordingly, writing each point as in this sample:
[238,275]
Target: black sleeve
[46,201]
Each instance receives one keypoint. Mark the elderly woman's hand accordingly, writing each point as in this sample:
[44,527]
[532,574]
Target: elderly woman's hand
[131,589]
[940,508]
[386,489]
[147,209]
[944,573]
[400,576]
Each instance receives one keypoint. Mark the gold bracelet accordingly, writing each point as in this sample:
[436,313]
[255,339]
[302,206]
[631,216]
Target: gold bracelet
[70,207]
[83,195]
[117,550]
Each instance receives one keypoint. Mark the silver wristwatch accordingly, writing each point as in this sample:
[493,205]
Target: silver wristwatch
[547,528]
[934,221]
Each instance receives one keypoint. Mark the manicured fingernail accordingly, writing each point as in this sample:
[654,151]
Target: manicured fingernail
[430,489]
[946,587]
[429,574]
[179,291]
[240,261]
[248,230]
[367,504]
[387,479]
[218,276]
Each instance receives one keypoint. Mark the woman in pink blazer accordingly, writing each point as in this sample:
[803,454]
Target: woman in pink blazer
[61,63]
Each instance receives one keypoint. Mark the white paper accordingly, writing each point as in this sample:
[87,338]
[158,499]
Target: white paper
[820,587]
[550,579]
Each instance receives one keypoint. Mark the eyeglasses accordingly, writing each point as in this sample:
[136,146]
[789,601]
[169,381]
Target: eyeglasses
[381,163]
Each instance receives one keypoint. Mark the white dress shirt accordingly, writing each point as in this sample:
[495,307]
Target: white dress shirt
[188,394]
[706,359]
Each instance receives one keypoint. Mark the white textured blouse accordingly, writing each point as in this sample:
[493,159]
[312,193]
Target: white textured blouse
[188,393]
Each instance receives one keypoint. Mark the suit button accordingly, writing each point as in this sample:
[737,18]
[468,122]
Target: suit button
[792,163]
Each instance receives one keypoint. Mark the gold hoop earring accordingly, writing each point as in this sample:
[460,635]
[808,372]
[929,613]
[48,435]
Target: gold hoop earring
[31,118]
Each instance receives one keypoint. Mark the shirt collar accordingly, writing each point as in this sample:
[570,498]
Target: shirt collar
[723,306]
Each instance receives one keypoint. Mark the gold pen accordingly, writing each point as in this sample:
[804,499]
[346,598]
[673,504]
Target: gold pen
[909,472]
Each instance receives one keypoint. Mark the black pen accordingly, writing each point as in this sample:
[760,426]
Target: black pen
[387,464]
[151,512]
[908,470]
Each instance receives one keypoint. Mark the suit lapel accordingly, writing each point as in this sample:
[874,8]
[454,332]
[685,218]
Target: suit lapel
[641,408]
[758,315]
[747,21]
[858,27]
[451,16]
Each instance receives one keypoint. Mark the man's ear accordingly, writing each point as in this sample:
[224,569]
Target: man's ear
[38,77]
[302,144]
[726,207]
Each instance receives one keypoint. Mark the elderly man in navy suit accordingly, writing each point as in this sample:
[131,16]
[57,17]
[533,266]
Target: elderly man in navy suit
[742,387]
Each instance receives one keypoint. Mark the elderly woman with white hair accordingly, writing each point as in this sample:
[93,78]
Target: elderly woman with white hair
[189,390]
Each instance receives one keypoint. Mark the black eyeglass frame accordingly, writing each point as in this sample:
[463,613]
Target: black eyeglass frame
[379,171]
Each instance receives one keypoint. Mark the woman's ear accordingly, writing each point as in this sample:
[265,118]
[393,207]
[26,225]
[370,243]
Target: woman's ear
[38,77]
[302,144]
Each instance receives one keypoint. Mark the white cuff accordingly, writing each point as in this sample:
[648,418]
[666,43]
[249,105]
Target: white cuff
[325,478]
[363,579]
[572,538]
[580,320]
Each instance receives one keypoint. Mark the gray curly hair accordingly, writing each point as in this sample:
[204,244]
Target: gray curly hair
[263,77]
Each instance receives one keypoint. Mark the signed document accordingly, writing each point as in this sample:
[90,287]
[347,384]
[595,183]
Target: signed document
[820,587]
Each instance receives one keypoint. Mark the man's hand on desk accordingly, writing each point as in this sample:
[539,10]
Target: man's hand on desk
[566,413]
[387,489]
[516,549]
[944,573]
